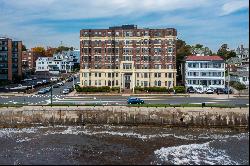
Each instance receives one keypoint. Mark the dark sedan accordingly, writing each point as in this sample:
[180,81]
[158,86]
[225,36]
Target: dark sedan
[135,101]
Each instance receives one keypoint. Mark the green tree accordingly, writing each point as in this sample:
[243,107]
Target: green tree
[198,46]
[199,49]
[238,86]
[182,50]
[225,53]
[24,48]
[63,48]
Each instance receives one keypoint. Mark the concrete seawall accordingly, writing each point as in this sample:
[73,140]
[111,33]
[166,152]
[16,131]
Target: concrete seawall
[122,115]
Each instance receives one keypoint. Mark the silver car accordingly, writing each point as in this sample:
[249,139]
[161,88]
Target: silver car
[65,91]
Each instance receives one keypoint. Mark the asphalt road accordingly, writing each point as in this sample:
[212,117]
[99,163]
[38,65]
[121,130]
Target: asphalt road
[59,98]
[38,98]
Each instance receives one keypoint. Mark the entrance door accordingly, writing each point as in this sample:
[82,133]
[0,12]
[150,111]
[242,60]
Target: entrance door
[127,81]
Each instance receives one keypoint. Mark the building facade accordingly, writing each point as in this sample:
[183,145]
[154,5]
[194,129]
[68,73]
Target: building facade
[241,75]
[27,62]
[126,57]
[204,72]
[61,62]
[10,59]
[243,54]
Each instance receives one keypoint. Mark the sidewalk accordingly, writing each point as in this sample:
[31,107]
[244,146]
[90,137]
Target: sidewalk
[74,93]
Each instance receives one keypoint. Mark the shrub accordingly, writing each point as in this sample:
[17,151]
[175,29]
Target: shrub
[151,89]
[92,89]
[115,89]
[179,89]
[237,85]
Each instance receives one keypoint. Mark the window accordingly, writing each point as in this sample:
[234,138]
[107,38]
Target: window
[170,49]
[85,83]
[145,75]
[127,66]
[169,84]
[159,83]
[169,75]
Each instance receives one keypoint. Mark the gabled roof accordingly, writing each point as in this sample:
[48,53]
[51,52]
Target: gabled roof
[204,58]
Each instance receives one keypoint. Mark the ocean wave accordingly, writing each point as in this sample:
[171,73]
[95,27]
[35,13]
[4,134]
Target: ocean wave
[239,136]
[76,130]
[198,154]
[8,132]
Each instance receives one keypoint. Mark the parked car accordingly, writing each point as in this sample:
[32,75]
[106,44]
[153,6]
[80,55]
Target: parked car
[226,91]
[39,82]
[71,89]
[48,89]
[65,91]
[54,79]
[190,89]
[199,90]
[69,79]
[219,91]
[55,86]
[209,91]
[60,83]
[42,91]
[135,101]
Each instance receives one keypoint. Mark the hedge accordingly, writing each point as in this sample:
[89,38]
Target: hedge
[153,89]
[92,89]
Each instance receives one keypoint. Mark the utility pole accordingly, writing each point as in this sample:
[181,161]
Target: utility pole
[228,89]
[51,94]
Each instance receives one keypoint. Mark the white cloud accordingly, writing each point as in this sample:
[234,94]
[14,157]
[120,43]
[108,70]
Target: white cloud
[17,16]
[77,9]
[234,6]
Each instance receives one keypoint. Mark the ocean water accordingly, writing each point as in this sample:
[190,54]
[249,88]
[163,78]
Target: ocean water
[93,144]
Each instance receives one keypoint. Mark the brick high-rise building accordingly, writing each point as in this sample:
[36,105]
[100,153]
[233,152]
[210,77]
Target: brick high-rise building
[10,59]
[27,61]
[126,57]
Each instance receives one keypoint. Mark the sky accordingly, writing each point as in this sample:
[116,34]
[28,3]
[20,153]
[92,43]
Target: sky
[50,22]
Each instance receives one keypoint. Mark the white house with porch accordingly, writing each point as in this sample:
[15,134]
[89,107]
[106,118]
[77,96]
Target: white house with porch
[204,72]
[64,61]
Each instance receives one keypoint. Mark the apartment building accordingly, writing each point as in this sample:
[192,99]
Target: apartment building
[10,59]
[126,56]
[27,61]
[204,72]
